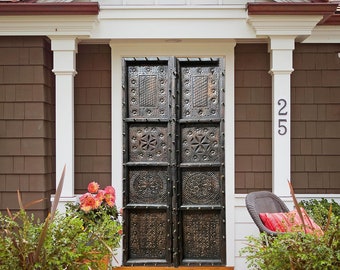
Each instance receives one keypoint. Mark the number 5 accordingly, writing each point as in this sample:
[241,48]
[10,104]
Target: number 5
[282,127]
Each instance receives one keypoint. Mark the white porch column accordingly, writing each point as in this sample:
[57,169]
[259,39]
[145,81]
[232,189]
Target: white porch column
[64,52]
[281,50]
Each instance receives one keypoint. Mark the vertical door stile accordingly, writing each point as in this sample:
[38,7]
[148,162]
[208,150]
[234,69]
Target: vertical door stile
[173,158]
[125,141]
[222,149]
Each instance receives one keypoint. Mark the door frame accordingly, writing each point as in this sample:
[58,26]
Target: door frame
[181,48]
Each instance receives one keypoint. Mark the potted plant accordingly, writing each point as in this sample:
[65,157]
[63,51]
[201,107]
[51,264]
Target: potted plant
[100,219]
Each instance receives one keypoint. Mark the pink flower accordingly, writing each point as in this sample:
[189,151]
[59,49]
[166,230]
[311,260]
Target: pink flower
[93,187]
[88,203]
[97,203]
[95,197]
[110,199]
[110,190]
[100,195]
[84,197]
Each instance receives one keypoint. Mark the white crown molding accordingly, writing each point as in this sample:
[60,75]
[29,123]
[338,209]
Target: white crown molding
[298,25]
[173,22]
[79,25]
[324,34]
[173,12]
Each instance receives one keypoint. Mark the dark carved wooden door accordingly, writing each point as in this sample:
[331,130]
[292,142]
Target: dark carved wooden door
[173,161]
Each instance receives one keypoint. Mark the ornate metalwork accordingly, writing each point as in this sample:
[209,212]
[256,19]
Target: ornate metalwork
[200,92]
[174,161]
[200,143]
[148,91]
[201,187]
[148,231]
[148,143]
[148,186]
[201,235]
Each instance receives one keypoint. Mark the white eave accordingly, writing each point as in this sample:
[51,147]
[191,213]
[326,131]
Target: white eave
[58,25]
[298,25]
[168,22]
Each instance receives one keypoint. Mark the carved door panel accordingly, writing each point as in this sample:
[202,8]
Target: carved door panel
[173,161]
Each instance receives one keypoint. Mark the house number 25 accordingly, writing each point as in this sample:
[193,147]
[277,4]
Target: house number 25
[282,121]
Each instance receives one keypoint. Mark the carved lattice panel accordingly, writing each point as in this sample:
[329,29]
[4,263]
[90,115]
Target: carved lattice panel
[201,187]
[148,235]
[148,186]
[148,91]
[200,143]
[200,92]
[201,235]
[148,143]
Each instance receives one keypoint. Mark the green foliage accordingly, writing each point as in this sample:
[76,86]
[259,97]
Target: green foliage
[297,250]
[95,216]
[319,211]
[67,244]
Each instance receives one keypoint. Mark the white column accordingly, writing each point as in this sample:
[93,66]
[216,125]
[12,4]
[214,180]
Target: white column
[229,151]
[281,49]
[116,136]
[64,52]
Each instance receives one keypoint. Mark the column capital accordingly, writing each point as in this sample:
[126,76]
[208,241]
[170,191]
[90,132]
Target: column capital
[64,43]
[64,54]
[286,42]
[281,54]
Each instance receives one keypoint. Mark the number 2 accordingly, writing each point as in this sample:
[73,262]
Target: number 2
[282,102]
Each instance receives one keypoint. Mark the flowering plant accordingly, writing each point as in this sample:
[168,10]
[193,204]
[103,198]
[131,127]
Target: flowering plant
[98,212]
[97,203]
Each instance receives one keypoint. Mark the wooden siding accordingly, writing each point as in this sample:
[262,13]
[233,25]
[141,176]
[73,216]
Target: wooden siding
[252,118]
[315,126]
[92,116]
[27,143]
[316,119]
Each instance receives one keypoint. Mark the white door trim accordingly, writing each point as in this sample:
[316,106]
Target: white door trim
[178,48]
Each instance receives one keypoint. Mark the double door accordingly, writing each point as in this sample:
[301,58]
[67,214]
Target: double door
[174,191]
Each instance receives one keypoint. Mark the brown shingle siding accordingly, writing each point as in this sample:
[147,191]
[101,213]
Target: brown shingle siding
[252,118]
[246,146]
[6,165]
[316,118]
[327,129]
[27,121]
[37,128]
[19,164]
[92,116]
[12,128]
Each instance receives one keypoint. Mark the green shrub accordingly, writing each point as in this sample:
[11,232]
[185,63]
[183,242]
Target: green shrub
[319,210]
[297,250]
[67,244]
